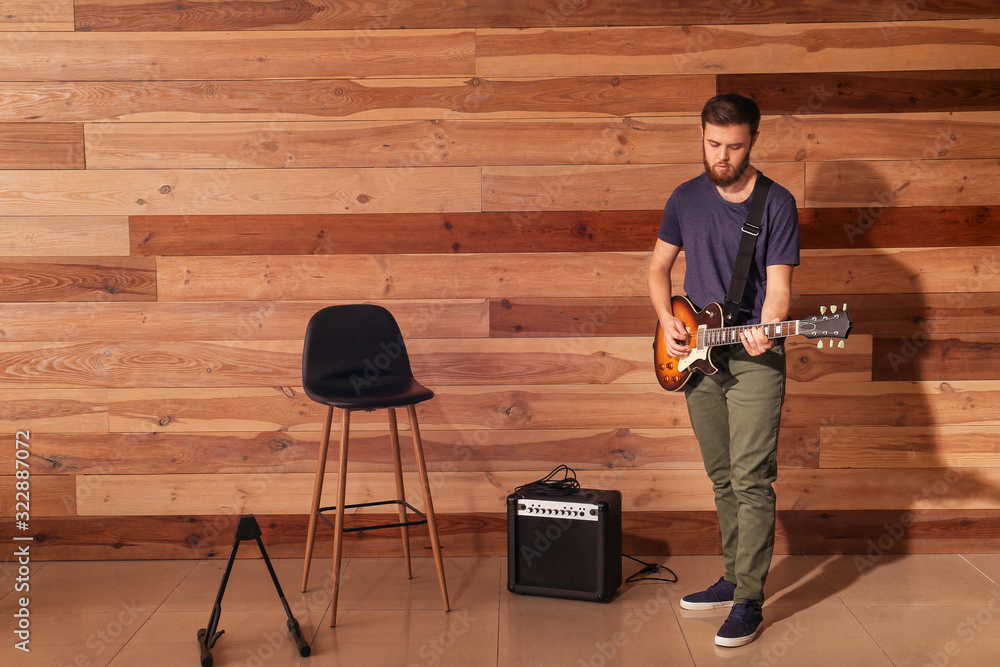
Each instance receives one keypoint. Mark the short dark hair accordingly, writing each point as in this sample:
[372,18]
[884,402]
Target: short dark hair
[731,109]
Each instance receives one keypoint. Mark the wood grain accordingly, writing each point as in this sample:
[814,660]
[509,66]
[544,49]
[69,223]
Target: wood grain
[159,15]
[924,357]
[878,226]
[66,235]
[226,321]
[54,410]
[936,446]
[453,276]
[75,279]
[238,191]
[854,533]
[29,15]
[221,99]
[798,488]
[149,410]
[902,183]
[41,146]
[906,314]
[905,91]
[736,49]
[589,188]
[159,56]
[445,450]
[416,143]
[322,234]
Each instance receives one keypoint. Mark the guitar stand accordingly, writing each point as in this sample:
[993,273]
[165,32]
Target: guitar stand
[246,529]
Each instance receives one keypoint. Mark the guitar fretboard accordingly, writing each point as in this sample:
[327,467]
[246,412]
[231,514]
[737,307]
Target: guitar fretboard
[701,340]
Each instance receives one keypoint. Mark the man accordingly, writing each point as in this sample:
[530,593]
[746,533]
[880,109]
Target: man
[735,412]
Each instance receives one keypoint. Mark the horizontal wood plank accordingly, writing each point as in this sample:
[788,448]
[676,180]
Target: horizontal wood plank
[901,183]
[239,191]
[48,496]
[590,188]
[445,451]
[860,534]
[689,490]
[929,357]
[906,314]
[400,276]
[832,274]
[960,89]
[736,49]
[94,236]
[75,279]
[158,15]
[482,142]
[322,234]
[220,99]
[417,143]
[228,321]
[154,410]
[158,56]
[934,446]
[879,226]
[41,146]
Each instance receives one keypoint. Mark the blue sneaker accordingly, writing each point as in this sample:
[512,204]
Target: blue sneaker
[716,596]
[741,627]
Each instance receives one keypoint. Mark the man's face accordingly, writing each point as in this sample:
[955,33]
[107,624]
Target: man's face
[726,152]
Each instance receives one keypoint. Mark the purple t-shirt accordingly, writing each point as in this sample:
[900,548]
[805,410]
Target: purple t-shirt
[708,227]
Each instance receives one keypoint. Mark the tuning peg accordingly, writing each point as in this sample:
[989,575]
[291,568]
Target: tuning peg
[822,310]
[840,344]
[820,344]
[833,309]
[845,307]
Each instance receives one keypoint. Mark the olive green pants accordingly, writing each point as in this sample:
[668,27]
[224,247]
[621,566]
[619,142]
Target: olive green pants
[736,414]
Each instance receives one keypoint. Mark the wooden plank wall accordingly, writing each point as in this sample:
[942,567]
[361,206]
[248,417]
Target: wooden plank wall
[183,184]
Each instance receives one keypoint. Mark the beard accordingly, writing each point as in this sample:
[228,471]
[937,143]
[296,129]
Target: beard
[723,179]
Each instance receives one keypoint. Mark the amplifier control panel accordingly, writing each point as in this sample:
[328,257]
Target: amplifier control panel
[557,509]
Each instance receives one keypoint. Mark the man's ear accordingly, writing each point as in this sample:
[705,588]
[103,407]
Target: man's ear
[753,139]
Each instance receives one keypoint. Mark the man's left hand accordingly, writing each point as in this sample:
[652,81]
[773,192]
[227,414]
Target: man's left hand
[756,342]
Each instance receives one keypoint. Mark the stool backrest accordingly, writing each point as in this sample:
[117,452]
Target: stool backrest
[352,348]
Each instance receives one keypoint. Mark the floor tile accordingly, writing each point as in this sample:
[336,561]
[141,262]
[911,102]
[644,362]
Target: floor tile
[381,583]
[635,628]
[101,586]
[73,638]
[817,637]
[901,581]
[394,638]
[951,636]
[988,564]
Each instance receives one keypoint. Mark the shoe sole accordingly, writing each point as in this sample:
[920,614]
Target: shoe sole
[704,606]
[733,642]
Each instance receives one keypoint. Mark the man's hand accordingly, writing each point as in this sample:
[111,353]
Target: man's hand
[675,336]
[755,341]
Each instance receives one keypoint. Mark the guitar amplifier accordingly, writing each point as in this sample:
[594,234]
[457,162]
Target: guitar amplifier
[565,546]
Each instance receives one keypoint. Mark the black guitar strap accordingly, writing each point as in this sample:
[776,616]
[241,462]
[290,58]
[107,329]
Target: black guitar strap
[744,257]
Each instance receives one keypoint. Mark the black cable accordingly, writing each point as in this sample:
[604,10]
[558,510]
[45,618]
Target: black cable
[547,486]
[649,567]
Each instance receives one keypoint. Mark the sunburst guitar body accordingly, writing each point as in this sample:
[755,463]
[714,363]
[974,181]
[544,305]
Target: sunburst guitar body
[705,331]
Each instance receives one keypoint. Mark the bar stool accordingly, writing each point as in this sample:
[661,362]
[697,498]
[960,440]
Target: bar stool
[354,358]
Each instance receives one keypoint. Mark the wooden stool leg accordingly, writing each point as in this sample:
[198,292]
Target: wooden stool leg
[317,496]
[338,524]
[418,451]
[400,492]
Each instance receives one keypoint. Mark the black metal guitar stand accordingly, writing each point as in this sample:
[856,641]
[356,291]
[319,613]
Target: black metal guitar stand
[246,529]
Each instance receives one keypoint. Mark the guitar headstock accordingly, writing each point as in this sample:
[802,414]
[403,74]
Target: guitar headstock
[828,324]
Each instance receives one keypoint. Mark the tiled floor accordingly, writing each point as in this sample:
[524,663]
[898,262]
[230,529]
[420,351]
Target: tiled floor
[919,610]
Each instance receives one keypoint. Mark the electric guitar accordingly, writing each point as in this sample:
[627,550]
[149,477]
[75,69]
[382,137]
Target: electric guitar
[705,331]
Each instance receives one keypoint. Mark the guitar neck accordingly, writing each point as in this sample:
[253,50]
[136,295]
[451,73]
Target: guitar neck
[730,335]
